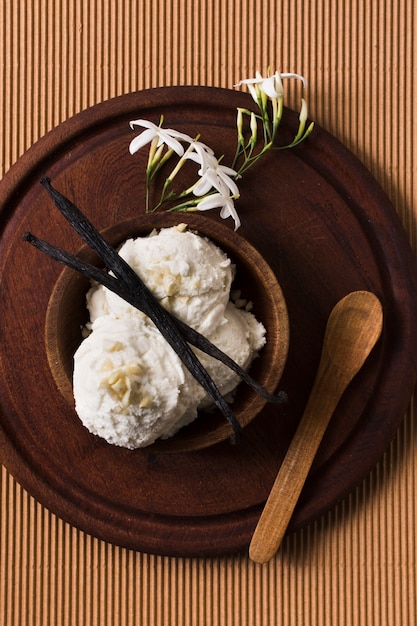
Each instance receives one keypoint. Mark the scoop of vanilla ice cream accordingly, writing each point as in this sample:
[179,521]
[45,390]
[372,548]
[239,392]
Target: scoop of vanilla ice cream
[240,337]
[187,273]
[129,385]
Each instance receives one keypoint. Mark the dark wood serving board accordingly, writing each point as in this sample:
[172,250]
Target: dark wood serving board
[324,226]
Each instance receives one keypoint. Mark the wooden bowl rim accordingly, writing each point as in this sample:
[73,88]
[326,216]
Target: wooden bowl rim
[235,246]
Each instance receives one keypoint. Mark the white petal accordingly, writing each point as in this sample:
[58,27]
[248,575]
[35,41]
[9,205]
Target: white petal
[141,140]
[268,86]
[211,202]
[225,184]
[203,186]
[144,123]
[249,81]
[253,93]
[225,203]
[193,156]
[297,76]
[227,170]
[214,180]
[178,135]
[171,143]
[229,211]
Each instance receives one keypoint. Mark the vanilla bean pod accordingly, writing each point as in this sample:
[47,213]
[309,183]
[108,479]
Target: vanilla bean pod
[113,284]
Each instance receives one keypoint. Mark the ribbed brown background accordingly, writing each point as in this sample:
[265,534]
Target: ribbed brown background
[357,565]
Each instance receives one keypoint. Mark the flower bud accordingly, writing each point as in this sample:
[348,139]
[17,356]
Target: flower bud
[253,128]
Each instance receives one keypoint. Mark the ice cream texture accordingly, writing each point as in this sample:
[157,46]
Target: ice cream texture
[130,387]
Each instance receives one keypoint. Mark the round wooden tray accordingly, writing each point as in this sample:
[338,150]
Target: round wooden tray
[324,226]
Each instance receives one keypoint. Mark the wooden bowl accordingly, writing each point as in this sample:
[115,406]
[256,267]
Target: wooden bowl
[67,313]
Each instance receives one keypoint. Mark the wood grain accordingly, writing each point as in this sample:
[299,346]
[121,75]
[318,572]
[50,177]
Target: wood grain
[333,231]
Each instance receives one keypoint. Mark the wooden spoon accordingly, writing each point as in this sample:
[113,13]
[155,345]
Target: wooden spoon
[353,328]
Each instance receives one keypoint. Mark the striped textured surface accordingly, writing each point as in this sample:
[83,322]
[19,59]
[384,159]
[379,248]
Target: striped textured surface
[357,565]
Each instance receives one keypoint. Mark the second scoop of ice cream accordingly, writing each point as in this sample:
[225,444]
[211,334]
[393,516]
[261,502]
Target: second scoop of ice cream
[187,273]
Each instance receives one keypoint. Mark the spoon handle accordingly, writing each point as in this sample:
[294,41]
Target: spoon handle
[296,465]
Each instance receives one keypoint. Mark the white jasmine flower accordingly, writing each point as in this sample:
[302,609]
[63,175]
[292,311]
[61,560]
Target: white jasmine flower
[215,185]
[164,135]
[271,86]
[217,176]
[223,202]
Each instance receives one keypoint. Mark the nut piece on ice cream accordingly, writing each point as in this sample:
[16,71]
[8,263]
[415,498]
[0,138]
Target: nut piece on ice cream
[129,385]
